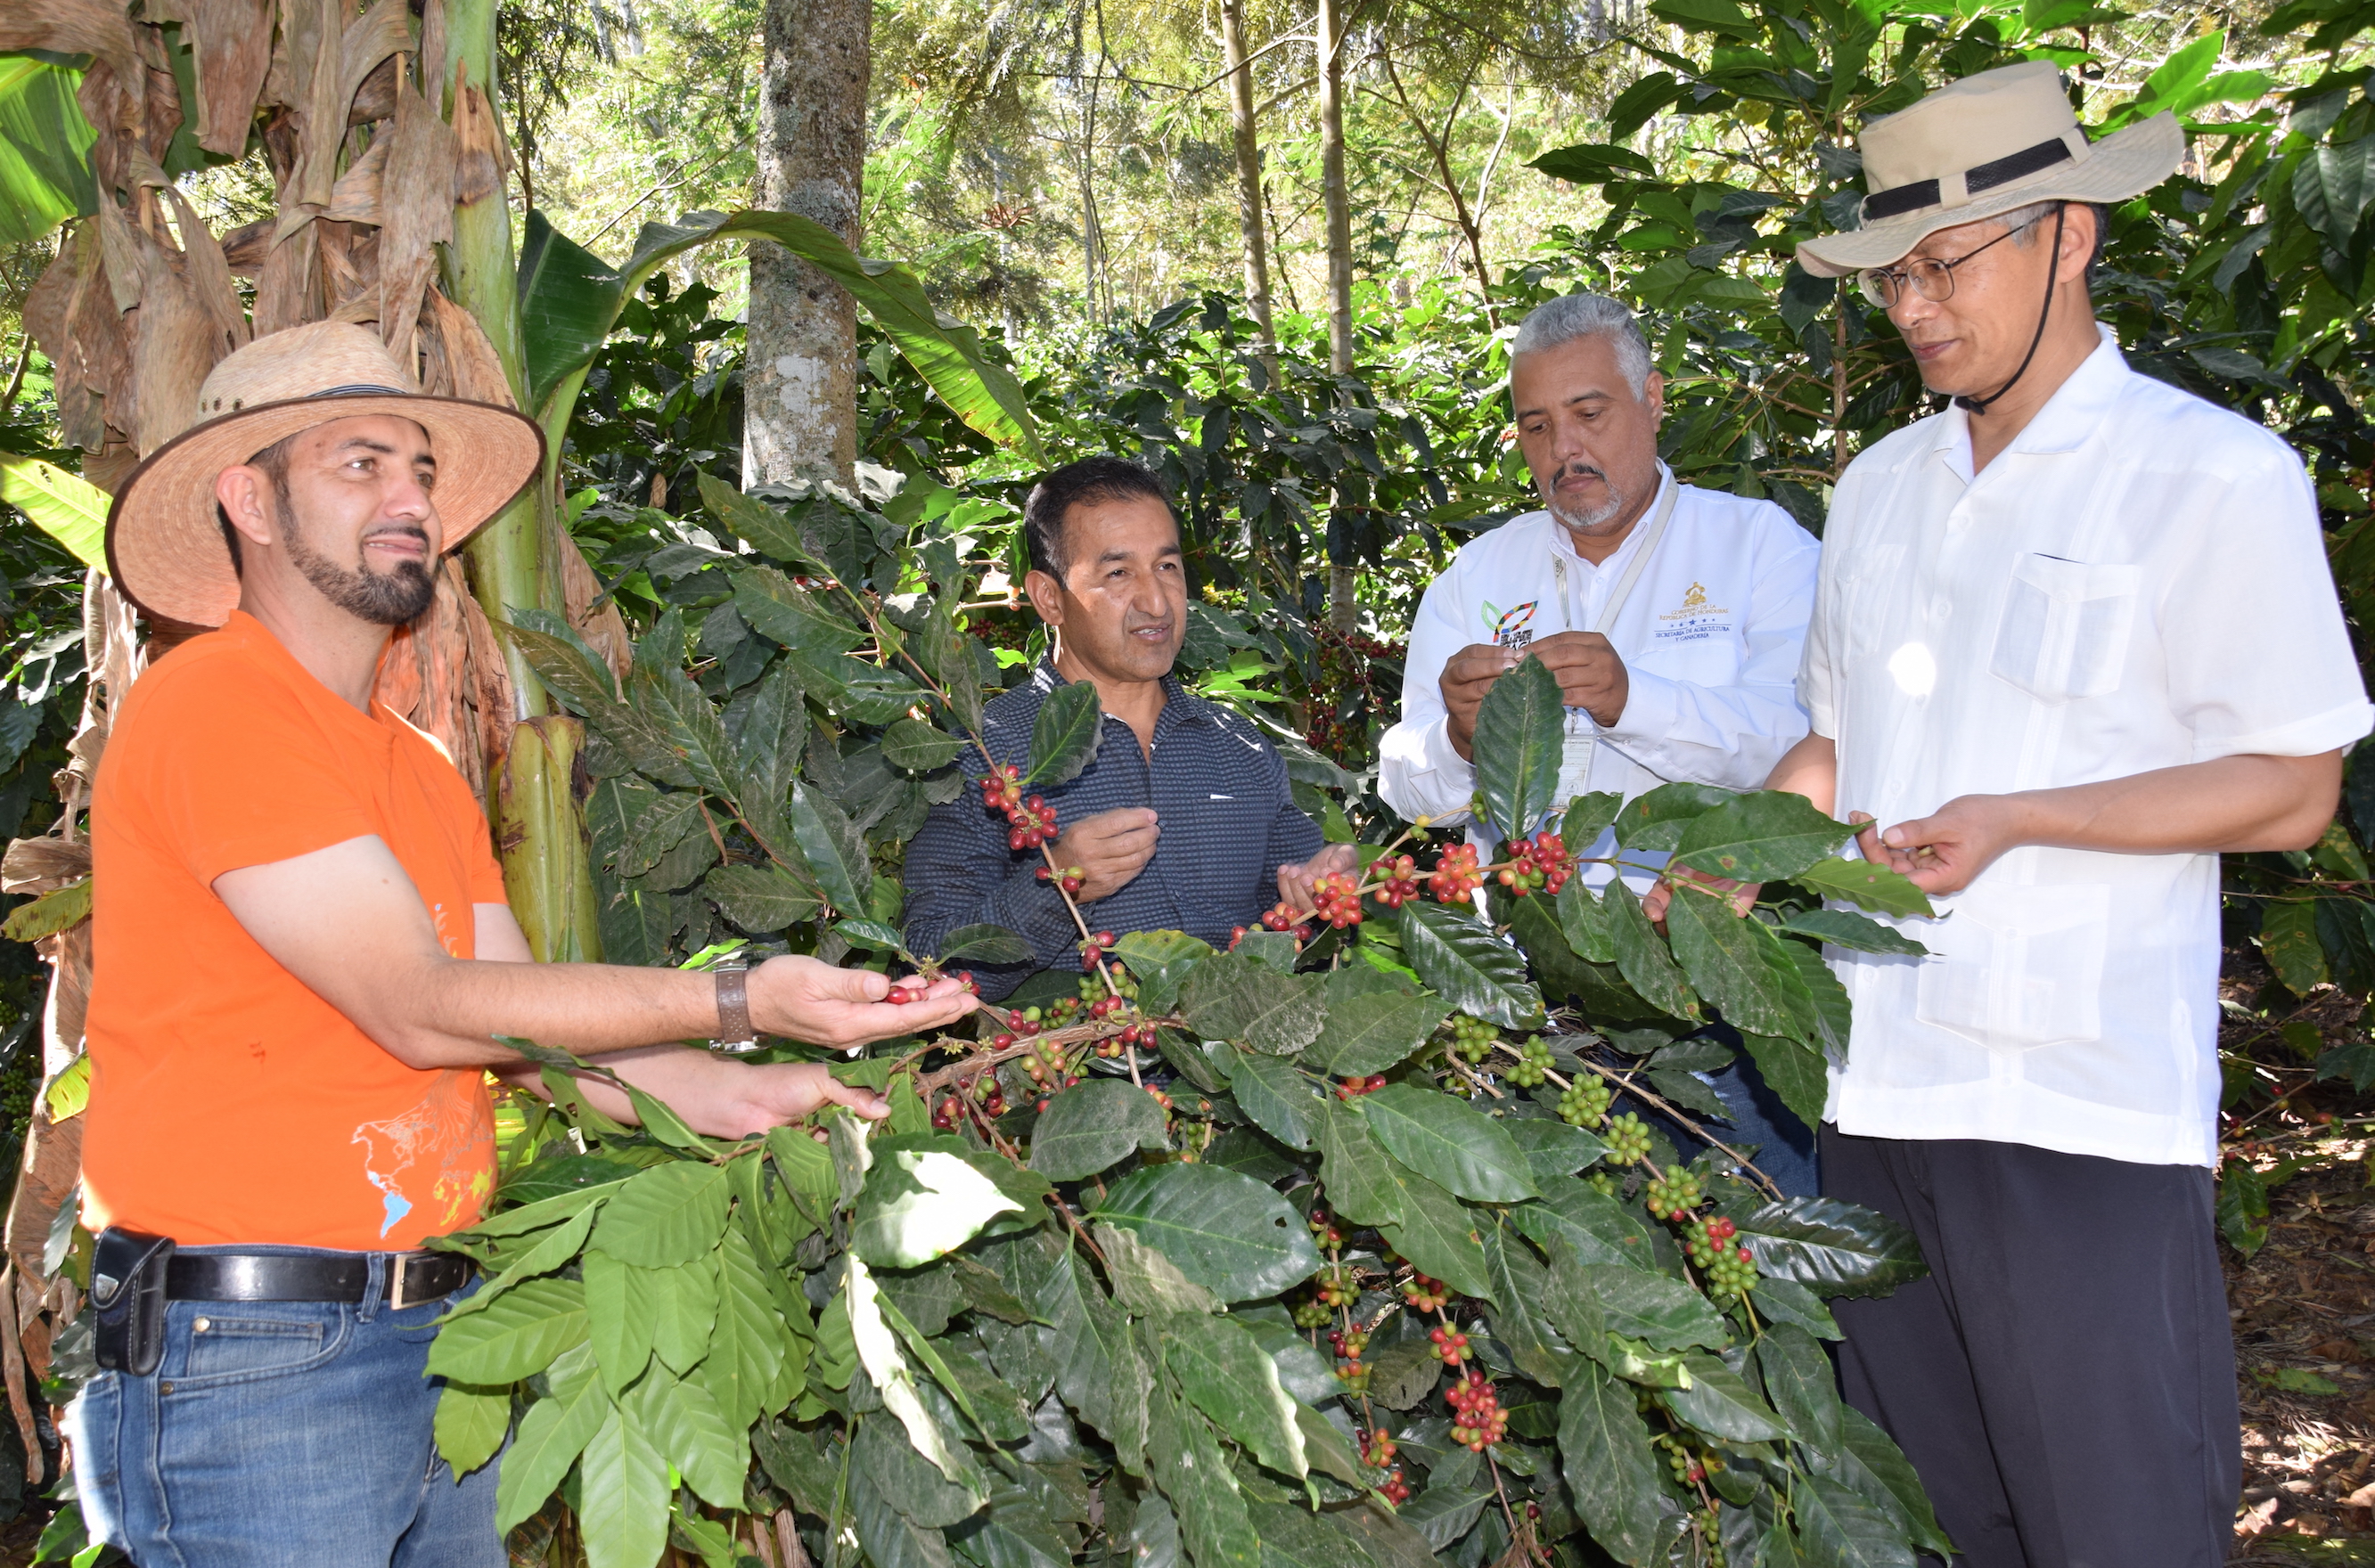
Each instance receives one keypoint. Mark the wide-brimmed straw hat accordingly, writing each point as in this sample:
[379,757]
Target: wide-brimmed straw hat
[1982,146]
[165,546]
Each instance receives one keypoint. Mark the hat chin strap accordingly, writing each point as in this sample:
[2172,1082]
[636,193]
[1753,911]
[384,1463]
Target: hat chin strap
[1982,404]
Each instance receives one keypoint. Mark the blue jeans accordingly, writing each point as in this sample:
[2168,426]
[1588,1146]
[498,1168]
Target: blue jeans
[281,1434]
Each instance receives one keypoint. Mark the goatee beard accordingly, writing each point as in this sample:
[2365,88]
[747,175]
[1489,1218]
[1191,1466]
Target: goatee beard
[395,598]
[1585,521]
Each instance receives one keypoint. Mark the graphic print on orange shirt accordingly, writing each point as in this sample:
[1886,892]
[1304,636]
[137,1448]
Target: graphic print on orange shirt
[431,1155]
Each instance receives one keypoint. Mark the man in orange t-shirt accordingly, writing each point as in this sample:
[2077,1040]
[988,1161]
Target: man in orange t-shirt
[304,962]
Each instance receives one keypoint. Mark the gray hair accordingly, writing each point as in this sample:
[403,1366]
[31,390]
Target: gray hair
[2022,221]
[1571,316]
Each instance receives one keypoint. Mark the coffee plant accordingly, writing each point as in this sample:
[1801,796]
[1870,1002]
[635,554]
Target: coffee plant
[1337,1246]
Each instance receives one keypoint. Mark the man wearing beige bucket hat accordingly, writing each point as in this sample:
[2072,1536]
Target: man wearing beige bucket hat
[2073,636]
[306,960]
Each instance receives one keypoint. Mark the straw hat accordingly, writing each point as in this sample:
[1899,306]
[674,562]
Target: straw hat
[165,546]
[1982,146]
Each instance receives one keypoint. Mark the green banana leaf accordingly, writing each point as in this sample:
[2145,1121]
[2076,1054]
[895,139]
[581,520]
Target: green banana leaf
[570,298]
[45,148]
[68,508]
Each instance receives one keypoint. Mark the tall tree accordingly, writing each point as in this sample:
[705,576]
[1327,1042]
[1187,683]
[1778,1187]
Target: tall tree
[1251,224]
[801,389]
[1343,613]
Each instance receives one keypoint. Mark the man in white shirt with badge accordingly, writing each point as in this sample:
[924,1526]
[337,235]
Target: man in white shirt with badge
[1671,615]
[2075,636]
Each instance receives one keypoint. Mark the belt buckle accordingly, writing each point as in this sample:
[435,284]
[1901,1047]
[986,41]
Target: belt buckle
[399,1281]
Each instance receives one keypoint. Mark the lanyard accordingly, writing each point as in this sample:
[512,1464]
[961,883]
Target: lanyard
[1582,734]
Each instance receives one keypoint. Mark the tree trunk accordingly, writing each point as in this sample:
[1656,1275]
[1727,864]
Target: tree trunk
[801,389]
[1250,224]
[1343,613]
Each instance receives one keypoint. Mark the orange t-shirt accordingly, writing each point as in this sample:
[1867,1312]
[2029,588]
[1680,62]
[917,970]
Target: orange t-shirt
[228,1103]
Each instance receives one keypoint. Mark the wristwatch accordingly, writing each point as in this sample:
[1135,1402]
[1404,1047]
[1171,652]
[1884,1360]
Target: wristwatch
[734,1030]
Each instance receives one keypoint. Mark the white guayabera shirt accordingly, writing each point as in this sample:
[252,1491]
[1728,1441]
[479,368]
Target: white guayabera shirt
[1710,633]
[2137,582]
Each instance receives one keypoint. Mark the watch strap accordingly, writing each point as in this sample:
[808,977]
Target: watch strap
[734,1030]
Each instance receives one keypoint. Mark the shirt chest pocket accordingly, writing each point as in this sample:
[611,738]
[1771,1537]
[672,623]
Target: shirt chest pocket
[2065,626]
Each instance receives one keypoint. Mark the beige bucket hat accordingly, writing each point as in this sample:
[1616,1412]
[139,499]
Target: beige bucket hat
[1984,146]
[165,546]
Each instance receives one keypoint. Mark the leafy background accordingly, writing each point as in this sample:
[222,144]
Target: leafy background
[1716,134]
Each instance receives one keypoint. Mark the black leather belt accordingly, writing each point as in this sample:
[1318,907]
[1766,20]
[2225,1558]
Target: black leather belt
[410,1277]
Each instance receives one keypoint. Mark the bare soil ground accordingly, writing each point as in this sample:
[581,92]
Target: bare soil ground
[2304,1303]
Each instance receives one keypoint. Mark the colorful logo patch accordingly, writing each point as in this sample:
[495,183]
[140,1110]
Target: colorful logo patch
[1511,627]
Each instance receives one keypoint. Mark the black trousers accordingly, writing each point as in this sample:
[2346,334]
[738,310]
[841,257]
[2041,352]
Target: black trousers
[2065,1379]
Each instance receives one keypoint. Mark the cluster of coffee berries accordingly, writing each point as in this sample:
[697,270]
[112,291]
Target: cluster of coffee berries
[1336,1285]
[1708,1238]
[1161,1097]
[1456,875]
[1399,880]
[1584,1102]
[1478,1421]
[1377,1448]
[1473,1038]
[1336,899]
[1095,949]
[1001,791]
[1673,1194]
[1325,1235]
[1032,821]
[949,1111]
[1533,1063]
[1732,1273]
[1070,1080]
[1284,916]
[1135,1031]
[1396,1491]
[1451,1345]
[1628,1139]
[1425,1294]
[1349,1344]
[1689,1464]
[1709,1525]
[1071,878]
[1353,1088]
[1313,1312]
[1538,862]
[1042,1062]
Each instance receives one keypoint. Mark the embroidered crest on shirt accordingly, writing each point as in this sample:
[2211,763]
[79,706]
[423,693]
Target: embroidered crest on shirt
[1695,619]
[1511,627]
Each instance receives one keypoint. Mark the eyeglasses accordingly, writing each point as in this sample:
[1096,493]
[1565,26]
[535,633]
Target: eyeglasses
[1931,278]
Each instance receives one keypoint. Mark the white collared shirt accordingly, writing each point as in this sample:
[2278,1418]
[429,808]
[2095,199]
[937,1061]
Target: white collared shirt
[2137,582]
[1709,636]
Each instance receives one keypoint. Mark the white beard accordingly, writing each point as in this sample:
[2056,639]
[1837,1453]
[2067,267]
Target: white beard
[1584,521]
